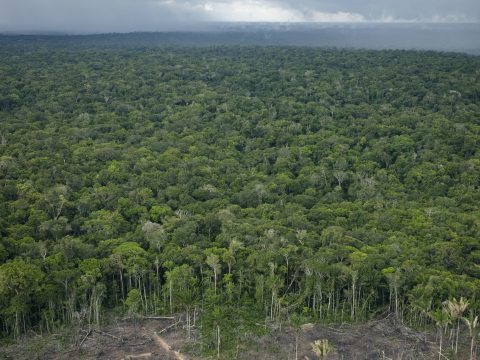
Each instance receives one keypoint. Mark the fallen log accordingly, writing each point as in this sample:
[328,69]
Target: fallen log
[139,356]
[151,318]
[168,327]
[159,317]
[164,345]
[85,338]
[107,334]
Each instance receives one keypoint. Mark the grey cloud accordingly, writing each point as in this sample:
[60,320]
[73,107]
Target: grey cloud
[397,9]
[138,15]
[93,15]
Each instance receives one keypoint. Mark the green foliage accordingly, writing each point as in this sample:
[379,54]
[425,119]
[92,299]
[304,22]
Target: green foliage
[133,301]
[250,185]
[184,286]
[20,281]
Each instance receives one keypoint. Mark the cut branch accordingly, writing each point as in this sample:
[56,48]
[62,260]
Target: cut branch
[85,338]
[107,334]
[169,327]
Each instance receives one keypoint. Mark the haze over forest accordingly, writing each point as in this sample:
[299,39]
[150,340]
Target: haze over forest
[427,24]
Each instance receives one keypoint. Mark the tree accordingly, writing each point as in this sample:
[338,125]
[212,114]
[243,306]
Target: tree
[455,309]
[104,224]
[133,303]
[129,257]
[472,324]
[155,234]
[394,281]
[297,321]
[213,260]
[441,319]
[183,286]
[19,282]
[91,288]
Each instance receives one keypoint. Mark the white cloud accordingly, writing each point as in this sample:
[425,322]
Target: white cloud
[431,19]
[256,11]
[250,10]
[340,16]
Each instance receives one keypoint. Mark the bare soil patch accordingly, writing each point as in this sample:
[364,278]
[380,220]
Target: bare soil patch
[382,339]
[164,339]
[122,340]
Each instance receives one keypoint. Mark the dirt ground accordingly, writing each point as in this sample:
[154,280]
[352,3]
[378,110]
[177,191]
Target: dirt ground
[167,339]
[124,339]
[381,339]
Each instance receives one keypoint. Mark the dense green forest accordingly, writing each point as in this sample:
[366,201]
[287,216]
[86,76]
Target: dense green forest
[239,184]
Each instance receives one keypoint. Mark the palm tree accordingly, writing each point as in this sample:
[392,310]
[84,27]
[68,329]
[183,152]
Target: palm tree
[472,325]
[456,309]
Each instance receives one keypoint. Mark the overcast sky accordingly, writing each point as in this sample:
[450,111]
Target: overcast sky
[148,15]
